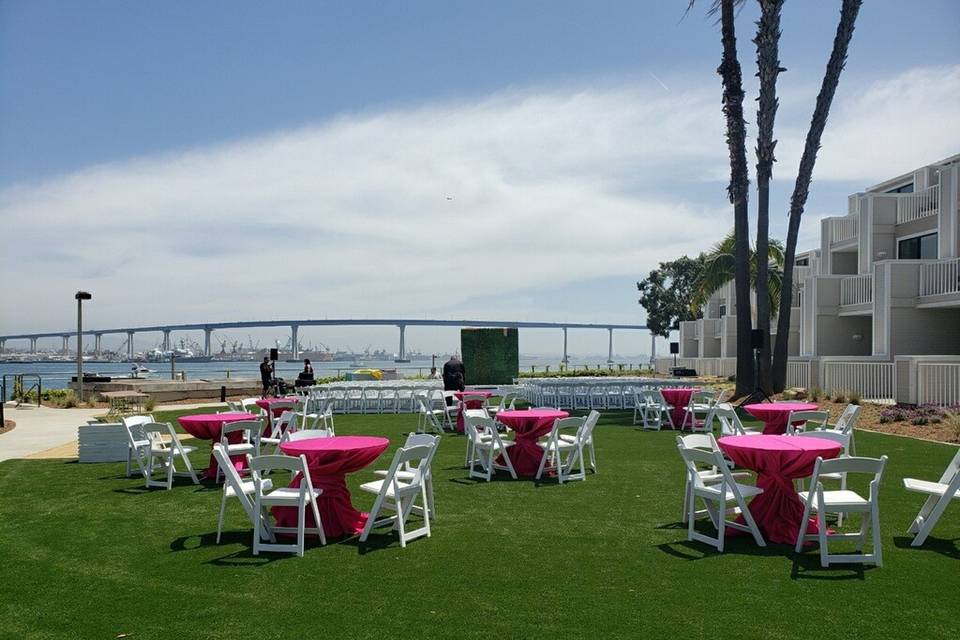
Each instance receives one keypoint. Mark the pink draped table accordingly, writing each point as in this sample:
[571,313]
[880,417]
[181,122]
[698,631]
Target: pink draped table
[329,460]
[207,426]
[528,426]
[267,405]
[473,404]
[774,414]
[778,460]
[678,398]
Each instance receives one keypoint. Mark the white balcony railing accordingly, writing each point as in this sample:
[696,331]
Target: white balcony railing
[798,373]
[843,229]
[938,383]
[856,289]
[942,276]
[872,380]
[920,204]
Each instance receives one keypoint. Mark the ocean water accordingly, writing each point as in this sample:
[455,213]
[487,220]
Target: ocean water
[55,375]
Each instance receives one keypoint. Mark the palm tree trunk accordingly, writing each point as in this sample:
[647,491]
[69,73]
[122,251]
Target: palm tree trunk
[729,70]
[768,68]
[838,59]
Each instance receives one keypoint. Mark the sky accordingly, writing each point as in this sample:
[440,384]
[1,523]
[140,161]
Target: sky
[216,161]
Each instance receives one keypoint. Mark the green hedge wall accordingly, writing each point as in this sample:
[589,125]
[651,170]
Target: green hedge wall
[490,356]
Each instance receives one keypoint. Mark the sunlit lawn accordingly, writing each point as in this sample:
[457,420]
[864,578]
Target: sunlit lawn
[88,553]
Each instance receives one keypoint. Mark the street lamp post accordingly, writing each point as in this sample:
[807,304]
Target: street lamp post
[80,297]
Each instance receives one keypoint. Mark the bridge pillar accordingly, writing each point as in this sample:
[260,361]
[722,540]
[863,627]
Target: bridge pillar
[96,343]
[130,345]
[295,341]
[610,346]
[206,341]
[402,353]
[3,346]
[653,349]
[33,345]
[165,346]
[565,358]
[66,345]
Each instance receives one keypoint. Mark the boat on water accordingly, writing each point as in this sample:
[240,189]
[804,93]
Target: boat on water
[180,354]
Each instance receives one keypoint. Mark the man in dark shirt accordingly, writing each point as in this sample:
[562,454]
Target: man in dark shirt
[266,375]
[453,375]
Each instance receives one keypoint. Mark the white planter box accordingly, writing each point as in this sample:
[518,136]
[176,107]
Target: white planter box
[102,442]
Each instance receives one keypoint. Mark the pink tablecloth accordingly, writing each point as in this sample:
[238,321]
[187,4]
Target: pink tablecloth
[207,426]
[778,460]
[473,404]
[267,404]
[329,460]
[774,414]
[678,398]
[528,426]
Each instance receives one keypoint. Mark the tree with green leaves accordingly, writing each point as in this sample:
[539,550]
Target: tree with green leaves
[665,294]
[719,268]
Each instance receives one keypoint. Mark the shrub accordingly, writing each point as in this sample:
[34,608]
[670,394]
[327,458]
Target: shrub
[952,420]
[149,405]
[816,393]
[854,397]
[839,396]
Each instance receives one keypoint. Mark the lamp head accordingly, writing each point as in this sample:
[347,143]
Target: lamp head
[83,295]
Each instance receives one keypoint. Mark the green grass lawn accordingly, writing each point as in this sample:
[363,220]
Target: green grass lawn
[88,553]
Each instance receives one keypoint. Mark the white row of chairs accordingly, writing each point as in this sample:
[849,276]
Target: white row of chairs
[586,392]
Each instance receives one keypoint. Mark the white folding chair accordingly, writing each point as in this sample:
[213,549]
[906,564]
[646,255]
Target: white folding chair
[843,439]
[730,424]
[708,475]
[137,443]
[939,495]
[235,487]
[847,422]
[484,445]
[307,434]
[452,408]
[165,446]
[429,417]
[653,408]
[406,472]
[506,403]
[265,496]
[279,429]
[399,495]
[843,501]
[249,444]
[587,437]
[809,421]
[563,453]
[716,497]
[701,402]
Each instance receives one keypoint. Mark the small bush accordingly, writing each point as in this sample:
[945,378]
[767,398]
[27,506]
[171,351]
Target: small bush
[854,397]
[919,420]
[952,420]
[149,405]
[839,396]
[816,393]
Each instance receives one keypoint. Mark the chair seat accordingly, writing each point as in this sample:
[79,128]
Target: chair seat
[485,445]
[374,486]
[269,440]
[924,486]
[402,475]
[746,490]
[240,447]
[562,445]
[247,487]
[286,496]
[841,499]
[158,451]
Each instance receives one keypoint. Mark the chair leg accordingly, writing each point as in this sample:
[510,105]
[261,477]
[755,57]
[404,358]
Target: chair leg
[317,522]
[877,541]
[822,535]
[722,523]
[223,506]
[301,527]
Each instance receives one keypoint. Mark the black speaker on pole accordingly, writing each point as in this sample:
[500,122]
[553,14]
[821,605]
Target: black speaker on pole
[674,347]
[274,354]
[757,339]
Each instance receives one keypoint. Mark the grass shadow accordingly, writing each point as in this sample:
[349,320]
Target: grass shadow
[806,566]
[943,546]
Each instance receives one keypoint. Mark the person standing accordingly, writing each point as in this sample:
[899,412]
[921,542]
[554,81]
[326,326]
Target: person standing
[453,376]
[266,375]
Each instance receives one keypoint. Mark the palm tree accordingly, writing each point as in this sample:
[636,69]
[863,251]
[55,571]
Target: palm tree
[767,41]
[831,78]
[738,189]
[720,267]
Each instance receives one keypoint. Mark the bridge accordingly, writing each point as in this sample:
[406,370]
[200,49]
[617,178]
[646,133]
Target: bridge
[401,323]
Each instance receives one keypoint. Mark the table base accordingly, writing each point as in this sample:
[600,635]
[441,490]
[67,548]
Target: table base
[525,455]
[339,516]
[777,511]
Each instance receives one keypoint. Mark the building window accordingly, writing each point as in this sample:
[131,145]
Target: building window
[907,188]
[803,262]
[723,310]
[918,248]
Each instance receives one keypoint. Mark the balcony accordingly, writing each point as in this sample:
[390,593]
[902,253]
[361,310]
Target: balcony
[940,283]
[917,205]
[857,292]
[843,229]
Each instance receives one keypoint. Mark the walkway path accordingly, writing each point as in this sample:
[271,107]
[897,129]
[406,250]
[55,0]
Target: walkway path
[45,432]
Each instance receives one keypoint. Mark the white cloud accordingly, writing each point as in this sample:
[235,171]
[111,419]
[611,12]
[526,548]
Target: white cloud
[432,210]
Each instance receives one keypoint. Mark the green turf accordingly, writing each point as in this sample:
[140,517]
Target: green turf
[88,553]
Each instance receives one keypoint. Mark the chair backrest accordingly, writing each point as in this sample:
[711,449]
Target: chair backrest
[261,465]
[474,397]
[701,396]
[249,428]
[561,424]
[848,465]
[818,418]
[156,431]
[952,470]
[306,434]
[693,456]
[415,458]
[230,477]
[426,409]
[588,425]
[286,422]
[848,419]
[479,424]
[134,428]
[840,438]
[729,420]
[702,441]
